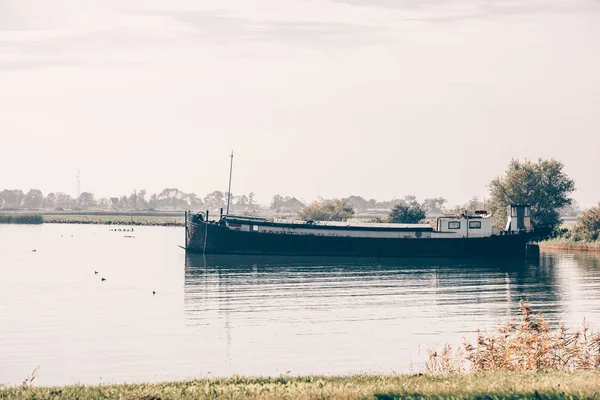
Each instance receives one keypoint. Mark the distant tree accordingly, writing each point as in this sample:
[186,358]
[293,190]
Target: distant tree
[104,202]
[124,203]
[251,200]
[34,199]
[276,202]
[588,224]
[12,198]
[287,203]
[468,208]
[172,198]
[85,200]
[141,198]
[357,202]
[408,199]
[570,211]
[215,200]
[327,210]
[542,184]
[434,205]
[133,200]
[50,201]
[153,202]
[411,213]
[193,201]
[63,200]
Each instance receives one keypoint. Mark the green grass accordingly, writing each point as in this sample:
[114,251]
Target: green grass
[21,219]
[551,385]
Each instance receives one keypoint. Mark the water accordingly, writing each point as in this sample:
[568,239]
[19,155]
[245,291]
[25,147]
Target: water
[249,315]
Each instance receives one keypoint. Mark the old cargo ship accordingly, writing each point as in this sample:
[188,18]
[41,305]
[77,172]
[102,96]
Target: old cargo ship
[461,236]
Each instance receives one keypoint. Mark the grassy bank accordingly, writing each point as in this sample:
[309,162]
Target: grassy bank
[21,219]
[562,243]
[551,385]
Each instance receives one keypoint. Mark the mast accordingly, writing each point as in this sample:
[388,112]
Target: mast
[229,190]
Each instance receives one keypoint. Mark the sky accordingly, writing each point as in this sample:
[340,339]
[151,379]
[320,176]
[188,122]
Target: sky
[317,98]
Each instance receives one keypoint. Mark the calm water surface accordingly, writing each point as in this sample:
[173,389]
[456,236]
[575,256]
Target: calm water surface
[248,315]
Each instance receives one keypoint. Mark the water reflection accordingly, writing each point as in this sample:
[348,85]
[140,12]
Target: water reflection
[367,307]
[480,286]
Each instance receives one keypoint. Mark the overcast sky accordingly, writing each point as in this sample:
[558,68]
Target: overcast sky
[379,98]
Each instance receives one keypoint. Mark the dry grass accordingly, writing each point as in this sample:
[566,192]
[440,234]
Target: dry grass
[526,343]
[570,243]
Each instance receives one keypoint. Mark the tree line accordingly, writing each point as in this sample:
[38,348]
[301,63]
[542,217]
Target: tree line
[177,200]
[542,184]
[167,199]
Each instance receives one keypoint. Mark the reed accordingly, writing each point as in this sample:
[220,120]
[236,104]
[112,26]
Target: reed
[526,343]
[571,243]
[21,219]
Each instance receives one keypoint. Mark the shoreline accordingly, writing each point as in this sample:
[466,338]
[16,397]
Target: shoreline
[585,249]
[523,385]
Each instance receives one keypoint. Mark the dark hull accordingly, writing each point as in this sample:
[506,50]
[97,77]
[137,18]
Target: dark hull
[212,238]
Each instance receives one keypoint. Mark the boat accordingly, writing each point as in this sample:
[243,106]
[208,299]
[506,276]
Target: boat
[455,236]
[462,236]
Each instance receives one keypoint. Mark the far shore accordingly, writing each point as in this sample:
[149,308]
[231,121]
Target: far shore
[141,218]
[569,248]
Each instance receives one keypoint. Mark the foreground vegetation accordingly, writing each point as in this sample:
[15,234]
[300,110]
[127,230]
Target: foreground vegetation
[551,385]
[526,343]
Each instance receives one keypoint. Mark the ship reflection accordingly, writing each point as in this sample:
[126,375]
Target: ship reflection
[431,281]
[241,300]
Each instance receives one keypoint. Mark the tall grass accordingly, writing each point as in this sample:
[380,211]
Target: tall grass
[21,219]
[526,343]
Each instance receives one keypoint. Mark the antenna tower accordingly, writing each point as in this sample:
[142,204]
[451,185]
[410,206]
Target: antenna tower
[78,183]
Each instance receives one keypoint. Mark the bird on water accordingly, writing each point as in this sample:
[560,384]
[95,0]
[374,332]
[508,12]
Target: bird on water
[153,292]
[103,279]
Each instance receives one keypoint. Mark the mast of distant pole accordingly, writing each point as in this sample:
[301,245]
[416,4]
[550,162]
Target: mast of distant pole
[229,190]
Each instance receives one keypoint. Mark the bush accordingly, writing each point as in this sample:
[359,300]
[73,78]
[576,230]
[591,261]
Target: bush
[411,213]
[588,224]
[327,210]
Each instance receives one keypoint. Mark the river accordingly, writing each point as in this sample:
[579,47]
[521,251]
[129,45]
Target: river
[218,316]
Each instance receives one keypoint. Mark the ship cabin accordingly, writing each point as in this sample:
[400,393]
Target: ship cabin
[518,218]
[465,226]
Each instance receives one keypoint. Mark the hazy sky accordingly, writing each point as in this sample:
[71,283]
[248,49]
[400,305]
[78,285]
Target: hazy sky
[379,98]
